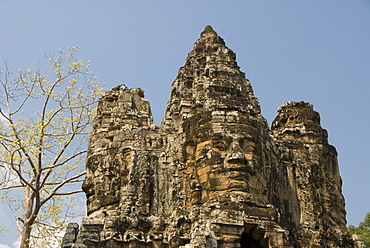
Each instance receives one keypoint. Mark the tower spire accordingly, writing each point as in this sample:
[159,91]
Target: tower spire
[211,80]
[208,30]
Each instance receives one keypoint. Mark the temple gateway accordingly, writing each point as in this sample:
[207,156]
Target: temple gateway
[214,174]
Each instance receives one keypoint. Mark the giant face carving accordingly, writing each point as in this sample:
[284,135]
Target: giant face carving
[224,157]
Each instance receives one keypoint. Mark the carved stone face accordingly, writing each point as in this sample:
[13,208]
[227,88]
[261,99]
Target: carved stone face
[107,180]
[224,161]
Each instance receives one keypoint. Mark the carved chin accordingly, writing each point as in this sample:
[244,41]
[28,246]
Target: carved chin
[237,185]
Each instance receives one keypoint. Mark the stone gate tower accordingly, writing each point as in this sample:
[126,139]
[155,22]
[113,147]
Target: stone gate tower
[214,174]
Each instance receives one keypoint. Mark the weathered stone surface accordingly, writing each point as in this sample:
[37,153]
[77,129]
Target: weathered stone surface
[313,174]
[213,174]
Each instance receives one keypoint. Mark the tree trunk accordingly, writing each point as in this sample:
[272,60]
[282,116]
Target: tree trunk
[26,235]
[28,221]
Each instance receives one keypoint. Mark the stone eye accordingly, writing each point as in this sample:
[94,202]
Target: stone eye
[241,143]
[220,146]
[246,145]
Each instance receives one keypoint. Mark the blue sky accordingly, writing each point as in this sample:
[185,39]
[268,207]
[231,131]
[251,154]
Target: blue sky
[315,51]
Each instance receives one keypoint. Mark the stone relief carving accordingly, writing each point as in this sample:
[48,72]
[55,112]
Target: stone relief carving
[214,174]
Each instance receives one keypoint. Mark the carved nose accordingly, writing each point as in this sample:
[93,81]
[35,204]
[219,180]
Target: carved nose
[236,155]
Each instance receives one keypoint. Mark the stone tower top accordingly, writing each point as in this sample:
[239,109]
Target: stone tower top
[210,80]
[208,30]
[210,36]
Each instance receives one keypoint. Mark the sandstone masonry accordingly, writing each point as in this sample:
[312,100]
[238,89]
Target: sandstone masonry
[214,174]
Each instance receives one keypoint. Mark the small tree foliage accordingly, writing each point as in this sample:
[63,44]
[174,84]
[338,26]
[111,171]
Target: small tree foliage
[363,230]
[44,125]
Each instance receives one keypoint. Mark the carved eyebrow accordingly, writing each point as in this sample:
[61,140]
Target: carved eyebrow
[217,137]
[220,145]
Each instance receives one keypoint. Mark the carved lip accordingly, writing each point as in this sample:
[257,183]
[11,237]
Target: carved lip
[237,160]
[240,165]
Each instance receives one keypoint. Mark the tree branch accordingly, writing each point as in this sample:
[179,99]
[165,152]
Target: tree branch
[70,193]
[54,191]
[64,162]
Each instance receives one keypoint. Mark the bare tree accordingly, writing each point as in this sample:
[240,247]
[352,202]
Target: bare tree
[43,133]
